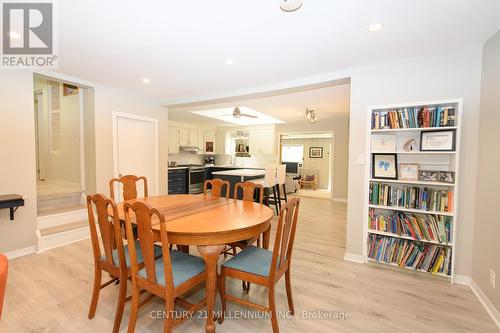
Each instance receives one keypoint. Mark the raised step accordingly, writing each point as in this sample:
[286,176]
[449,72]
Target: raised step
[47,204]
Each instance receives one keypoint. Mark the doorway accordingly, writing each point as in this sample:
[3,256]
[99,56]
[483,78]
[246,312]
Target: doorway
[135,149]
[314,155]
[58,110]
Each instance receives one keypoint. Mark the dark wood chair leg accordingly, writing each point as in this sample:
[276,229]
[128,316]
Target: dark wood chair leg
[284,191]
[121,303]
[95,292]
[275,201]
[288,284]
[278,193]
[272,307]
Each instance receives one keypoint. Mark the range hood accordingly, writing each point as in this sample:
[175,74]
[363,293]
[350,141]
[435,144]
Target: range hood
[191,149]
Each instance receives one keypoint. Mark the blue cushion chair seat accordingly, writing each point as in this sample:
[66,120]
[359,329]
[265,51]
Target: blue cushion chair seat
[184,267]
[253,260]
[140,258]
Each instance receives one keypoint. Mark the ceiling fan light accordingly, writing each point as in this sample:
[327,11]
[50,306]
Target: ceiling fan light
[290,5]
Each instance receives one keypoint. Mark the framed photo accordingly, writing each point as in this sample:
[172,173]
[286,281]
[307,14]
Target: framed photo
[383,143]
[384,166]
[429,175]
[408,171]
[408,142]
[447,177]
[437,140]
[315,152]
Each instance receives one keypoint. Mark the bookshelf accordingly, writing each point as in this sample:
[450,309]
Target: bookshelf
[412,182]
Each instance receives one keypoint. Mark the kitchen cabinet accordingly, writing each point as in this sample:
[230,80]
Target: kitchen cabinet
[211,138]
[221,143]
[178,181]
[262,142]
[173,140]
[183,137]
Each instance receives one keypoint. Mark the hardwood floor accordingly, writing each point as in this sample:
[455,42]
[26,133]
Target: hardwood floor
[51,292]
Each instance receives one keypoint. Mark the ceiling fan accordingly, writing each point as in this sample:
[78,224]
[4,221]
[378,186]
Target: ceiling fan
[237,114]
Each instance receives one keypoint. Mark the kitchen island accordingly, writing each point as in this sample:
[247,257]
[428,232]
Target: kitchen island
[237,176]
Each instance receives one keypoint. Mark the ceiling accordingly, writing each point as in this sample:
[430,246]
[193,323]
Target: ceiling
[288,108]
[183,46]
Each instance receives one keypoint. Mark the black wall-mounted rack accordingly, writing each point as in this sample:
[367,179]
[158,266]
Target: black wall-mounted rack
[12,202]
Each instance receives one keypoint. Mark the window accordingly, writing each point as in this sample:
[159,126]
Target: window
[292,153]
[54,118]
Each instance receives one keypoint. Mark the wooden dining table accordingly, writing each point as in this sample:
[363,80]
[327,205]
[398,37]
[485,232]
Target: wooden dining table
[208,223]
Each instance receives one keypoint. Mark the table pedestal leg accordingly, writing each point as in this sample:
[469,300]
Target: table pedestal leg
[210,254]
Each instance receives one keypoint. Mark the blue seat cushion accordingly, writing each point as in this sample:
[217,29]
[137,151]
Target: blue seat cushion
[140,258]
[253,260]
[184,267]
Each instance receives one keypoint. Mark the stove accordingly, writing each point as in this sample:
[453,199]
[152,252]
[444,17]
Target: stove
[196,177]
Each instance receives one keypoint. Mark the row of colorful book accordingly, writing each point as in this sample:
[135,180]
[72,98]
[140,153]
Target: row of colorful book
[435,228]
[410,254]
[411,197]
[416,117]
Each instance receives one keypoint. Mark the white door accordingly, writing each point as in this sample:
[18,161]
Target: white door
[136,149]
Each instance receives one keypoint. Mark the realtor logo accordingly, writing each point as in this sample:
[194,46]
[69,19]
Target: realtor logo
[28,34]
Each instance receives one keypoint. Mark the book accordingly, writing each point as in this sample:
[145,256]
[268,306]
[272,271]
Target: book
[414,117]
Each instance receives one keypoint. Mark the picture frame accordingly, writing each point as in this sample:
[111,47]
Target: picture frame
[383,143]
[315,152]
[384,166]
[447,177]
[438,140]
[429,175]
[408,171]
[408,142]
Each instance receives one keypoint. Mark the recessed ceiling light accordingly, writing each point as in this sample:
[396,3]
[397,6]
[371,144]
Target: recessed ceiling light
[290,5]
[375,27]
[14,35]
[229,62]
[145,81]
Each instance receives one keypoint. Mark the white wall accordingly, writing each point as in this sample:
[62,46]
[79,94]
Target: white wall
[17,145]
[452,74]
[487,222]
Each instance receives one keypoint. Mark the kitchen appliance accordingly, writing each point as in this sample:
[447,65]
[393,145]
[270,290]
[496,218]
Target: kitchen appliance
[196,178]
[209,161]
[190,149]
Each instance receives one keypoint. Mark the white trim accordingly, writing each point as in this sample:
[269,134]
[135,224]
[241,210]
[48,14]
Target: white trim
[54,220]
[82,139]
[488,306]
[355,258]
[20,253]
[117,115]
[48,242]
[462,280]
[340,199]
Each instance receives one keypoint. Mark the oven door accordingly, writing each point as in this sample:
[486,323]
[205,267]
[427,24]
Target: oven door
[196,180]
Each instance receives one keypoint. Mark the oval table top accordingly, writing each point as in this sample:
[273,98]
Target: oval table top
[203,220]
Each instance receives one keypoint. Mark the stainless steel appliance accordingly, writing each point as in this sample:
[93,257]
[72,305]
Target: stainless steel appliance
[196,178]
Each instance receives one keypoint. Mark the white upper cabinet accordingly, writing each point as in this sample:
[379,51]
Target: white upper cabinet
[262,141]
[183,137]
[173,140]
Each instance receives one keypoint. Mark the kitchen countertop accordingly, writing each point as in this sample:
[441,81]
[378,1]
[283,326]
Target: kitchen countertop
[176,168]
[241,172]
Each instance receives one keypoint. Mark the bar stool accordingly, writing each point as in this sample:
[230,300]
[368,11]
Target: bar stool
[280,183]
[269,183]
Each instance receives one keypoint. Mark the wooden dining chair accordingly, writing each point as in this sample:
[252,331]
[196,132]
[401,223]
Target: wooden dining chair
[168,277]
[129,183]
[263,267]
[217,186]
[115,260]
[250,192]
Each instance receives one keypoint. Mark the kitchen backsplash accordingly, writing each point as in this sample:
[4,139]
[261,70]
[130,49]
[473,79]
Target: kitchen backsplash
[186,158]
[257,161]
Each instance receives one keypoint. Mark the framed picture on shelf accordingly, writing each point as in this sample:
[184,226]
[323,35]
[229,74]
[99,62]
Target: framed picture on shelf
[383,143]
[428,175]
[437,140]
[447,177]
[408,142]
[408,171]
[315,152]
[385,166]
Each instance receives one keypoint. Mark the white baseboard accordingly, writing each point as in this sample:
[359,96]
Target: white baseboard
[19,253]
[355,258]
[489,307]
[52,241]
[340,199]
[462,280]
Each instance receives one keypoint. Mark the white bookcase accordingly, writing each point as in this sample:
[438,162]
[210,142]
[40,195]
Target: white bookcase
[426,160]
